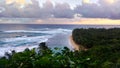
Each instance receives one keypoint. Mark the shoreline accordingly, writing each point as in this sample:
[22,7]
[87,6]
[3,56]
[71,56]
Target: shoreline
[76,46]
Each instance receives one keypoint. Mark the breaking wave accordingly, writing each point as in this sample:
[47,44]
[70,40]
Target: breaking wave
[19,40]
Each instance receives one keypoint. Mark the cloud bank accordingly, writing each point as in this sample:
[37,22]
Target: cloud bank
[101,9]
[104,9]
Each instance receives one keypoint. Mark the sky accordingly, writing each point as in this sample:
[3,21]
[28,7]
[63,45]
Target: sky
[87,12]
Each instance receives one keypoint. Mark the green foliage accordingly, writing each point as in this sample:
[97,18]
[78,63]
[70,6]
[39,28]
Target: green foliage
[94,37]
[101,57]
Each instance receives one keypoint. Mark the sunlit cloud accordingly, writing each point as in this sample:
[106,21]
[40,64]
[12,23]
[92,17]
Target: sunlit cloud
[110,1]
[81,21]
[19,3]
[86,1]
[98,21]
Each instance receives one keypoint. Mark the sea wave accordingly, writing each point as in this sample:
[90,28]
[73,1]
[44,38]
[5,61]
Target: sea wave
[50,31]
[8,49]
[25,40]
[19,44]
[19,40]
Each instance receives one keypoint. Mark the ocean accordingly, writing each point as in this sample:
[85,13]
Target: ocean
[21,36]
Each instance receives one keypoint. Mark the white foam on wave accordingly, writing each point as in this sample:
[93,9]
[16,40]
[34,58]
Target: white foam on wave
[8,49]
[32,42]
[26,38]
[18,45]
[51,31]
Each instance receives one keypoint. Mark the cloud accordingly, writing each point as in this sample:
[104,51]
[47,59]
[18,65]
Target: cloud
[16,20]
[56,21]
[102,9]
[20,3]
[2,9]
[86,1]
[81,21]
[63,11]
[35,11]
[97,21]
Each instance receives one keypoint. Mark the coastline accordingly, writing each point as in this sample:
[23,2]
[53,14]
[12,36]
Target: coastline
[76,46]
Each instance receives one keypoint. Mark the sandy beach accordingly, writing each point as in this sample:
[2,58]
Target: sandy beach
[76,46]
